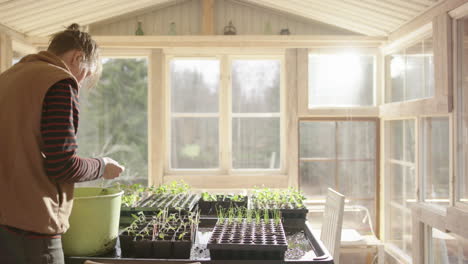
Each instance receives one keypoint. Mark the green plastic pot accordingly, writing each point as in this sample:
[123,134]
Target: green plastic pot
[94,222]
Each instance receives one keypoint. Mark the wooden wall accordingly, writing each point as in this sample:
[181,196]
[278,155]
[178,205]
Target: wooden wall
[187,15]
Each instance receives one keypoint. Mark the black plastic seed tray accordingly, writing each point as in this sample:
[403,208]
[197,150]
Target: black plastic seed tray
[315,252]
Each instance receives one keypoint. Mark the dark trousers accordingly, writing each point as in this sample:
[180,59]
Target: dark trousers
[22,248]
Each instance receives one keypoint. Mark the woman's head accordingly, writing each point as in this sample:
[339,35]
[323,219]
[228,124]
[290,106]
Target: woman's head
[79,51]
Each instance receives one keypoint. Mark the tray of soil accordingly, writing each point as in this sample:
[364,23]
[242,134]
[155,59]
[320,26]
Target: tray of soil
[303,248]
[290,202]
[163,236]
[152,205]
[210,203]
[243,234]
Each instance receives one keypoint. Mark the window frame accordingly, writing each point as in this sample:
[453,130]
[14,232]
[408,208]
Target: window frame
[421,162]
[459,14]
[225,118]
[386,161]
[377,170]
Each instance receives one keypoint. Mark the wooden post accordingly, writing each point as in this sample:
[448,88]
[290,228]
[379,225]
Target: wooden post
[208,17]
[156,122]
[6,52]
[291,118]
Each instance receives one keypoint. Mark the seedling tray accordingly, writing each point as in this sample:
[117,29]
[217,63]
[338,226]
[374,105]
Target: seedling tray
[211,207]
[314,253]
[247,240]
[179,203]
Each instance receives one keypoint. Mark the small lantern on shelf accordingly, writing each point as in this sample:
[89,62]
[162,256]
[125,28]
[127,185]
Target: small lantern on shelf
[285,31]
[230,29]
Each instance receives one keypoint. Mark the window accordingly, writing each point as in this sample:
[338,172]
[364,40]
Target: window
[341,80]
[113,117]
[246,112]
[410,73]
[435,151]
[256,114]
[341,155]
[194,113]
[400,182]
[462,110]
[447,248]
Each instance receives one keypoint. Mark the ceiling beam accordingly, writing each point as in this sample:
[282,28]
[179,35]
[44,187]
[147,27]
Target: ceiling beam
[208,17]
[243,41]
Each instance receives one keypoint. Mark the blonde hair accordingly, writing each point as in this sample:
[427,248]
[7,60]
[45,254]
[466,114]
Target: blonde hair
[72,38]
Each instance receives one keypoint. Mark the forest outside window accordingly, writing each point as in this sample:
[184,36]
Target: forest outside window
[341,80]
[113,117]
[244,111]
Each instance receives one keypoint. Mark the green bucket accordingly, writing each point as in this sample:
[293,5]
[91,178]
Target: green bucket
[94,222]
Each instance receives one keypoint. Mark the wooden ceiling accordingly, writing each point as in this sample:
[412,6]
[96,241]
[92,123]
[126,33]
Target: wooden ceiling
[368,17]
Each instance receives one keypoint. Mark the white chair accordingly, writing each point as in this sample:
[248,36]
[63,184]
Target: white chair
[332,222]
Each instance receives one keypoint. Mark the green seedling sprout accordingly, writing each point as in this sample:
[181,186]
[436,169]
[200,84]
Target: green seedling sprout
[231,215]
[240,214]
[221,214]
[277,216]
[266,215]
[248,215]
[258,216]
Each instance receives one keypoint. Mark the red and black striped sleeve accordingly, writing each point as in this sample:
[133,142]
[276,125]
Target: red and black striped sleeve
[59,123]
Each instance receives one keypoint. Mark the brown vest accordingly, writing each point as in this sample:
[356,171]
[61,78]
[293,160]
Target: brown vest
[29,200]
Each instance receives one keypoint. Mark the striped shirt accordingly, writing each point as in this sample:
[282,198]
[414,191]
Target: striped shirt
[59,125]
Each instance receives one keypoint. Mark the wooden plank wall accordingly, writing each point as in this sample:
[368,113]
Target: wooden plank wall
[185,14]
[249,19]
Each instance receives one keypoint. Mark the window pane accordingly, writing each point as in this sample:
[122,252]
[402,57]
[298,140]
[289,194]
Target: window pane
[436,157]
[194,143]
[462,104]
[341,80]
[429,66]
[414,72]
[352,172]
[410,73]
[113,118]
[356,139]
[317,177]
[317,139]
[327,160]
[256,143]
[256,86]
[400,182]
[194,86]
[448,248]
[395,83]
